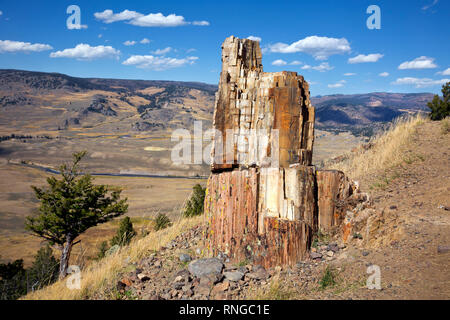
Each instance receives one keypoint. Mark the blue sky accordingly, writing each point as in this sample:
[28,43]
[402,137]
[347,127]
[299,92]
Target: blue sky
[326,41]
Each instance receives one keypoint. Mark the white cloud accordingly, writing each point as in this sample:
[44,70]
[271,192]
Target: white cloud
[338,84]
[428,6]
[349,74]
[324,66]
[149,20]
[295,63]
[17,46]
[145,41]
[279,62]
[373,57]
[86,52]
[158,20]
[1,12]
[446,72]
[191,50]
[129,43]
[420,82]
[100,36]
[384,74]
[158,63]
[319,47]
[254,38]
[108,16]
[162,51]
[418,63]
[201,23]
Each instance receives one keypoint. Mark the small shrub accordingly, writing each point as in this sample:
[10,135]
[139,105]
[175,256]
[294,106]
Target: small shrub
[194,206]
[124,234]
[102,248]
[162,221]
[440,108]
[328,278]
[45,268]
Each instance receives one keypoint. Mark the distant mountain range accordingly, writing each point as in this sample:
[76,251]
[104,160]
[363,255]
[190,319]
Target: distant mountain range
[361,111]
[147,105]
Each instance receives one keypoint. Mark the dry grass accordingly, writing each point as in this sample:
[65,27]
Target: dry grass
[388,150]
[102,275]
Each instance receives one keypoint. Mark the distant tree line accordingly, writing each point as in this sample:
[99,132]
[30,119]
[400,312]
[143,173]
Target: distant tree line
[22,137]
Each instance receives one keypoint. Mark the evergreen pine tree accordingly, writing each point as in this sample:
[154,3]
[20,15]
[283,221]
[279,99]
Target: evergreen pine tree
[70,206]
[124,234]
[440,108]
[194,205]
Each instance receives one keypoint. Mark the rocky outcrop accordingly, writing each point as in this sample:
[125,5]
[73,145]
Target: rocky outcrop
[264,198]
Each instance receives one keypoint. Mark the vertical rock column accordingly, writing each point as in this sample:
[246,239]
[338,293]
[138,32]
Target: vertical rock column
[259,209]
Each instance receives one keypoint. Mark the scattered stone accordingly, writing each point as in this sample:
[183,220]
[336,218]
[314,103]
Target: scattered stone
[157,264]
[330,253]
[333,247]
[127,282]
[220,287]
[185,257]
[258,274]
[234,276]
[143,277]
[203,267]
[443,249]
[393,207]
[315,255]
[365,253]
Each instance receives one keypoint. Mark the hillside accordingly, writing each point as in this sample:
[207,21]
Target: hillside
[406,234]
[365,113]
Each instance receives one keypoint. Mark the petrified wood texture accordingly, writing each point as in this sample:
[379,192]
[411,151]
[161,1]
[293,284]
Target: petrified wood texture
[333,188]
[250,99]
[232,214]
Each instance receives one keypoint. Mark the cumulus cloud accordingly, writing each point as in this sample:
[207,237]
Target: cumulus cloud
[254,38]
[428,6]
[349,74]
[1,12]
[158,63]
[324,66]
[319,47]
[361,58]
[279,62]
[142,20]
[418,63]
[108,16]
[200,23]
[384,74]
[446,72]
[18,46]
[86,52]
[338,84]
[162,51]
[129,43]
[420,82]
[295,63]
[145,41]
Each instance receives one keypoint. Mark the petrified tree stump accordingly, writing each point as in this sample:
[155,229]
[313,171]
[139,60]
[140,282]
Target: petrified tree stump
[264,201]
[333,188]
